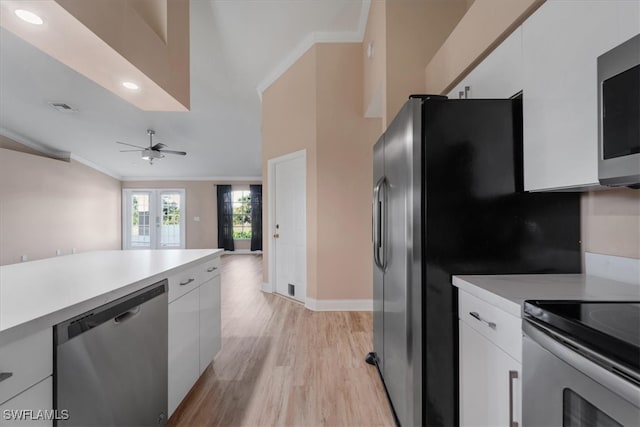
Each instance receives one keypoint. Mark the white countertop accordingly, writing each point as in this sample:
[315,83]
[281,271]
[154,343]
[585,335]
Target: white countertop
[39,294]
[508,292]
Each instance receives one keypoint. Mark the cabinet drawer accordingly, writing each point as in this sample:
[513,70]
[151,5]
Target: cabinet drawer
[209,270]
[36,399]
[184,281]
[28,360]
[500,327]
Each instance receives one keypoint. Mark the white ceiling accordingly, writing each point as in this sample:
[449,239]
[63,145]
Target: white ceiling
[238,47]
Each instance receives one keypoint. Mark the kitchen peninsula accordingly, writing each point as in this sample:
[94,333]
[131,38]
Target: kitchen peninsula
[37,295]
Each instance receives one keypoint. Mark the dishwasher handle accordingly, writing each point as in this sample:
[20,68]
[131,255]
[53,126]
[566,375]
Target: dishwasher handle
[121,318]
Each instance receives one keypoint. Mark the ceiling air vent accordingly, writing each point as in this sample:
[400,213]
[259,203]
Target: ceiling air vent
[63,107]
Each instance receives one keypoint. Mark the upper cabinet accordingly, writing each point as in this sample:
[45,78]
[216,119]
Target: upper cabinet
[499,75]
[560,45]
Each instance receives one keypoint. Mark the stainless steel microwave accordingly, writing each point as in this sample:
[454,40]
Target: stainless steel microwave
[619,115]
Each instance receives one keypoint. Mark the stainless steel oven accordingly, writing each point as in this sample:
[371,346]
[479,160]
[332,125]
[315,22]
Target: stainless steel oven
[578,374]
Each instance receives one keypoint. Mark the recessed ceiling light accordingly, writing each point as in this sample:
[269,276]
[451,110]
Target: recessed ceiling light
[130,85]
[29,17]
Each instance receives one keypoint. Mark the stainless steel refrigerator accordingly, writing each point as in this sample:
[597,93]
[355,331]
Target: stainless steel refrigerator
[448,199]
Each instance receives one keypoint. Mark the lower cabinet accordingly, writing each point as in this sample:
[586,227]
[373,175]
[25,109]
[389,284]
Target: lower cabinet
[184,352]
[490,382]
[490,364]
[32,407]
[210,321]
[194,328]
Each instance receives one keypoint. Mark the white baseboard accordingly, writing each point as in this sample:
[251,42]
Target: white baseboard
[266,287]
[242,252]
[612,267]
[339,304]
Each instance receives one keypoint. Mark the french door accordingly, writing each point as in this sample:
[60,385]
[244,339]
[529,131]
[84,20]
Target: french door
[153,219]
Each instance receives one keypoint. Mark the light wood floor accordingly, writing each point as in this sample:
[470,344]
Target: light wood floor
[282,364]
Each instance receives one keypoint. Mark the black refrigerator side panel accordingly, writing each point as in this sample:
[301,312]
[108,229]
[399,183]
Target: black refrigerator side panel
[478,221]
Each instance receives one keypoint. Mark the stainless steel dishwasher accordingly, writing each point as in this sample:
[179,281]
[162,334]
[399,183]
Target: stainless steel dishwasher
[111,362]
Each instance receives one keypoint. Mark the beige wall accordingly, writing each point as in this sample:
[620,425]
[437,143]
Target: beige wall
[48,204]
[415,31]
[374,70]
[317,105]
[201,201]
[344,158]
[406,34]
[611,222]
[288,125]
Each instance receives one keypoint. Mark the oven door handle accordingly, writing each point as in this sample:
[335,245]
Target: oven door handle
[513,375]
[569,351]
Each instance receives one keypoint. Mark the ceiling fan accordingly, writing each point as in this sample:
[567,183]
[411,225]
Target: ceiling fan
[153,151]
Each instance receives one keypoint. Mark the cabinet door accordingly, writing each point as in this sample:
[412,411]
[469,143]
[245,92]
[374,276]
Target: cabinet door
[184,352]
[209,321]
[484,382]
[561,43]
[499,75]
[37,398]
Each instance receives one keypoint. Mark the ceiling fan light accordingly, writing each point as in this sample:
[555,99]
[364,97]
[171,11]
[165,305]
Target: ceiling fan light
[151,154]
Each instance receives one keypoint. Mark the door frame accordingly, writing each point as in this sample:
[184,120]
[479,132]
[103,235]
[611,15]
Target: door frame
[270,286]
[154,202]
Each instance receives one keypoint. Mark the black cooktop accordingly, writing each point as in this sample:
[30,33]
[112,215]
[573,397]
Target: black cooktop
[611,328]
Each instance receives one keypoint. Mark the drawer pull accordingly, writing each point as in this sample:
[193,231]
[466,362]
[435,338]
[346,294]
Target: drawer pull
[211,269]
[492,325]
[186,282]
[5,375]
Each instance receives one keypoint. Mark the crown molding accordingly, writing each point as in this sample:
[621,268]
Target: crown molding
[310,40]
[38,146]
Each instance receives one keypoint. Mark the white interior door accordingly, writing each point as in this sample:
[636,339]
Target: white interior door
[153,219]
[289,226]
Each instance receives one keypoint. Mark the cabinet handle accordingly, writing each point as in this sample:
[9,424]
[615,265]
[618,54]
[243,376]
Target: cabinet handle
[512,376]
[5,375]
[211,269]
[475,314]
[186,282]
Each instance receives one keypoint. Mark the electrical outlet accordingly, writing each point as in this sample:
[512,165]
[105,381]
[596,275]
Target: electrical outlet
[24,258]
[58,252]
[196,218]
[73,250]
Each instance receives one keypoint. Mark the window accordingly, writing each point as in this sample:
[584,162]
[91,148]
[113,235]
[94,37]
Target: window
[153,219]
[241,202]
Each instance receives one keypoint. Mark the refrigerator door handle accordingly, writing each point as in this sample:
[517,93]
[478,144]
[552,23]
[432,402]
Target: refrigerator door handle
[382,246]
[377,224]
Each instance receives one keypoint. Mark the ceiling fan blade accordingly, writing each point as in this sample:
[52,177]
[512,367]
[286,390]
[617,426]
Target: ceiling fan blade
[131,145]
[127,151]
[158,146]
[180,153]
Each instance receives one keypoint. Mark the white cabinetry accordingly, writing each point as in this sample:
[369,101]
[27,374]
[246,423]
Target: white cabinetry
[490,364]
[499,75]
[194,326]
[26,366]
[32,407]
[561,42]
[184,337]
[210,321]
